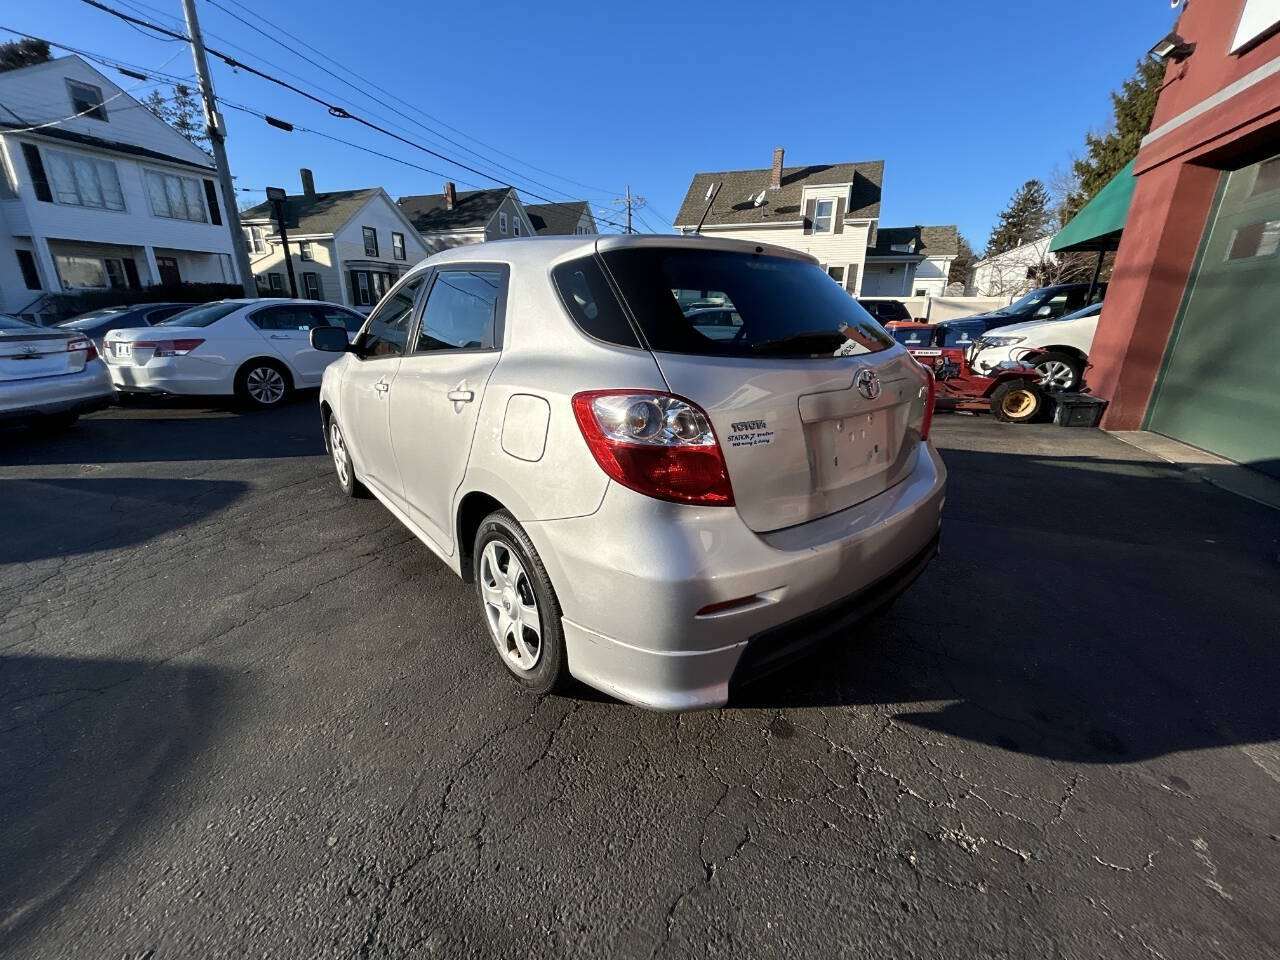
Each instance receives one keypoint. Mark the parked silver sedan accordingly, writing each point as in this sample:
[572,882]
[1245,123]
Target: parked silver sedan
[659,512]
[48,377]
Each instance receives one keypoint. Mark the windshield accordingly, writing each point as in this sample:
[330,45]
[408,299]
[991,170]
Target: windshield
[723,303]
[202,315]
[1022,304]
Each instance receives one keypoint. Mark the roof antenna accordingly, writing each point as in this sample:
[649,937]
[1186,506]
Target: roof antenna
[713,191]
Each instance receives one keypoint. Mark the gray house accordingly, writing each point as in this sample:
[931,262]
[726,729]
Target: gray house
[450,219]
[562,219]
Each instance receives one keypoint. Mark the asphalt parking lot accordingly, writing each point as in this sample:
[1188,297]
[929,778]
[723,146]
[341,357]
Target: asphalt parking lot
[240,715]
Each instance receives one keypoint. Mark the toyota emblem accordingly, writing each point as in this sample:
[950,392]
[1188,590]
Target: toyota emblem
[868,383]
[29,349]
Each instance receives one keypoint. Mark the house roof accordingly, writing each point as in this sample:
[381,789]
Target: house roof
[316,213]
[471,211]
[734,203]
[943,241]
[115,146]
[559,219]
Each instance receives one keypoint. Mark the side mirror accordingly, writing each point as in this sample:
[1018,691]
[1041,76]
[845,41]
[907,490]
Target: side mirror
[330,339]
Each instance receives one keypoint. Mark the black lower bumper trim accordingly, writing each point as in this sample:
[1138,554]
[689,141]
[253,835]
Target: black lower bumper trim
[774,648]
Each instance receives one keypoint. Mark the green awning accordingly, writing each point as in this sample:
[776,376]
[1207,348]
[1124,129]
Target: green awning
[1099,224]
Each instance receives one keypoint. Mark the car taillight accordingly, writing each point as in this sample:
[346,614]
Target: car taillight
[929,399]
[90,351]
[656,444]
[170,348]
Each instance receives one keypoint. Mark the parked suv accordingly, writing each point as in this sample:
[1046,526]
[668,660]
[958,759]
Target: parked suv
[1046,303]
[652,509]
[1059,348]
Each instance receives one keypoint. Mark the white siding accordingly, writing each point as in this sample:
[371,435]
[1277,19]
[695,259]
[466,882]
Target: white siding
[381,214]
[832,249]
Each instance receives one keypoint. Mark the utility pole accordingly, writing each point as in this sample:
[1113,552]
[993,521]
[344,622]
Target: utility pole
[215,126]
[630,202]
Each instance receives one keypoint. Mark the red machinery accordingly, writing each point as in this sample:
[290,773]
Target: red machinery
[1011,392]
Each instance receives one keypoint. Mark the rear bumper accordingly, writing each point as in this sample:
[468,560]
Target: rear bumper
[181,376]
[83,392]
[632,577]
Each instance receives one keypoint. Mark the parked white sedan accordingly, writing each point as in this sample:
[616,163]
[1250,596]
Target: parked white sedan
[256,350]
[1058,348]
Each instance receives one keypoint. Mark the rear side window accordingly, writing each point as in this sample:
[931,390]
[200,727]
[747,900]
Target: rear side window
[586,295]
[778,307]
[286,317]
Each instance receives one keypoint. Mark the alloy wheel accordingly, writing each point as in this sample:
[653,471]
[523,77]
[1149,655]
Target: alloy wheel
[265,385]
[1057,374]
[339,449]
[510,606]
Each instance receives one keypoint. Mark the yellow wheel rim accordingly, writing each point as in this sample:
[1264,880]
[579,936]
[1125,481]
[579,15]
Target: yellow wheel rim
[1018,403]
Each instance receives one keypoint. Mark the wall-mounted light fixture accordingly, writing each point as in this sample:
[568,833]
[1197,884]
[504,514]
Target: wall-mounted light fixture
[1172,47]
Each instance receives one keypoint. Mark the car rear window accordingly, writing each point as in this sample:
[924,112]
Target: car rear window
[13,323]
[724,303]
[200,316]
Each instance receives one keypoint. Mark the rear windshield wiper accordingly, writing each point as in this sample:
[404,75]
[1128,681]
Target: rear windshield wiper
[815,341]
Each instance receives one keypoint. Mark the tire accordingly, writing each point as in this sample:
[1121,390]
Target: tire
[60,422]
[1060,371]
[502,589]
[348,482]
[263,384]
[1017,401]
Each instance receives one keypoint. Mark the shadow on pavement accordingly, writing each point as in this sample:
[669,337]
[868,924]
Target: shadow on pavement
[1082,609]
[85,746]
[170,429]
[57,517]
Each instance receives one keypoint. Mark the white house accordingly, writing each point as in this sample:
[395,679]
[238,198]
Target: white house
[347,246]
[827,210]
[910,261]
[562,219]
[1012,273]
[97,192]
[450,219]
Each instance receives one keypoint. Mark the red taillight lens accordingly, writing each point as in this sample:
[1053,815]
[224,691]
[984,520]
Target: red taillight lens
[655,443]
[170,348]
[929,399]
[90,351]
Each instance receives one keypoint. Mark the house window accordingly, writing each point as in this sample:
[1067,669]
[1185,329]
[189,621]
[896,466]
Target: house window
[370,241]
[30,275]
[397,246]
[823,211]
[304,250]
[921,292]
[502,224]
[175,197]
[1255,240]
[253,239]
[86,100]
[364,293]
[90,273]
[311,286]
[276,282]
[83,181]
[836,274]
[515,226]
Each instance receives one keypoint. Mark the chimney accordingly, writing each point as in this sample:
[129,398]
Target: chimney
[775,175]
[308,183]
[450,195]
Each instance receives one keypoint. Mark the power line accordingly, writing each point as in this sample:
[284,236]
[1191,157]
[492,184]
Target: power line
[401,100]
[122,65]
[333,109]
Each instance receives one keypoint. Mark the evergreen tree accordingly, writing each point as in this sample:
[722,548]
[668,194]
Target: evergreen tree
[963,263]
[23,53]
[1026,218]
[181,112]
[1133,105]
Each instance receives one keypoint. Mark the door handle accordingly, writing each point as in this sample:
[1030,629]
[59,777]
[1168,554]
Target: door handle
[279,336]
[461,396]
[382,386]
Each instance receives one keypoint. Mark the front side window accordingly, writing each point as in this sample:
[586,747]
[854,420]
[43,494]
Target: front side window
[86,100]
[786,307]
[388,326]
[287,316]
[462,310]
[84,181]
[823,211]
[397,246]
[336,317]
[175,197]
[370,241]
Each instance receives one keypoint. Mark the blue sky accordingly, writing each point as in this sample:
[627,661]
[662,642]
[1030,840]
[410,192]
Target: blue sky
[963,102]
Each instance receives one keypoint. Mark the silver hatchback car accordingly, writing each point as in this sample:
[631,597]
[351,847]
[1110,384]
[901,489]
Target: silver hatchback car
[658,507]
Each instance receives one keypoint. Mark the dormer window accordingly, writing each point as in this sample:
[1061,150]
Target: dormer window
[823,212]
[86,100]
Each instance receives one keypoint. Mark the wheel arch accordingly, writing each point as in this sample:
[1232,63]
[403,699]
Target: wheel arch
[283,367]
[1075,352]
[472,509]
